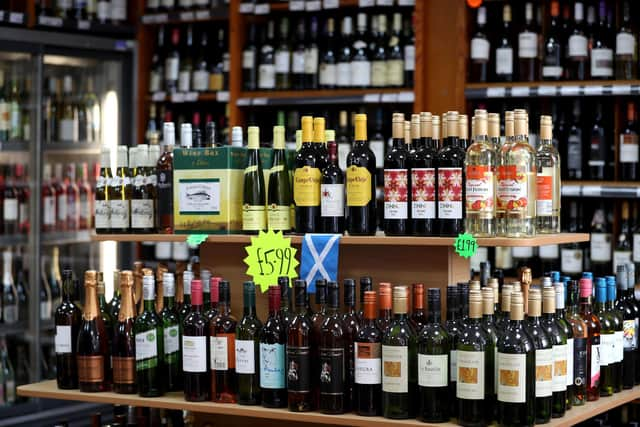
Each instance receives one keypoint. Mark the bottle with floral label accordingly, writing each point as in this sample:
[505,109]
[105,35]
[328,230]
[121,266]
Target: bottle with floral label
[450,180]
[396,182]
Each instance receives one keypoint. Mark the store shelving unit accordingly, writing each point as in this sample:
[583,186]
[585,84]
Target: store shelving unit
[552,89]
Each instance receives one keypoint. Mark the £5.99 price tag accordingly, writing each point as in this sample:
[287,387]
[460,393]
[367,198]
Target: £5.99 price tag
[270,256]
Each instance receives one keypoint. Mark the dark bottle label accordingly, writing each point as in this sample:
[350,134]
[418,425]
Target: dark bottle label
[332,372]
[580,361]
[299,369]
[165,192]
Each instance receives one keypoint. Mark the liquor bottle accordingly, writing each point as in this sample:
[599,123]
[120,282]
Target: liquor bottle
[453,325]
[504,48]
[300,396]
[558,338]
[247,349]
[94,370]
[450,181]
[164,173]
[616,317]
[577,53]
[626,45]
[149,344]
[629,316]
[368,361]
[272,351]
[143,193]
[418,318]
[480,164]
[171,335]
[249,60]
[593,340]
[352,326]
[279,189]
[361,183]
[345,52]
[543,357]
[553,53]
[195,350]
[480,49]
[67,321]
[224,385]
[254,215]
[475,364]
[332,191]
[396,182]
[123,355]
[607,337]
[628,147]
[567,329]
[622,253]
[601,51]
[172,63]
[528,47]
[600,243]
[385,312]
[362,68]
[306,185]
[422,165]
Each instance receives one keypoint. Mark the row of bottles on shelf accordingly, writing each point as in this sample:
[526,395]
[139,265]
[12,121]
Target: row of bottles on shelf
[582,41]
[314,56]
[519,353]
[102,11]
[15,120]
[131,416]
[155,6]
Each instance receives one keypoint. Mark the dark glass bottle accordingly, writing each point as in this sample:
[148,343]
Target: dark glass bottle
[317,318]
[423,175]
[580,336]
[332,191]
[625,54]
[396,182]
[552,66]
[149,334]
[164,176]
[528,62]
[286,313]
[195,350]
[453,325]
[567,329]
[629,316]
[600,46]
[328,57]
[214,295]
[123,354]
[628,148]
[543,357]
[489,327]
[558,339]
[599,147]
[600,243]
[618,340]
[298,56]
[575,151]
[113,307]
[418,316]
[504,48]
[222,330]
[120,192]
[185,308]
[273,338]
[593,340]
[366,284]
[577,46]
[480,49]
[306,184]
[368,361]
[311,54]
[249,60]
[607,337]
[450,181]
[385,314]
[352,326]
[300,396]
[67,322]
[247,346]
[171,334]
[279,189]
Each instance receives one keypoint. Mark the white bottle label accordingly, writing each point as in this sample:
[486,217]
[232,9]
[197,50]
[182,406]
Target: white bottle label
[395,72]
[544,372]
[248,59]
[368,364]
[283,59]
[395,376]
[62,207]
[470,376]
[571,260]
[549,251]
[171,68]
[297,62]
[200,80]
[63,340]
[266,76]
[45,310]
[245,357]
[432,370]
[146,345]
[619,345]
[480,49]
[332,200]
[119,210]
[636,247]
[194,354]
[630,334]
[601,247]
[527,45]
[595,365]
[570,361]
[625,44]
[171,339]
[522,252]
[328,74]
[409,57]
[551,71]
[601,62]
[559,367]
[102,214]
[395,193]
[142,214]
[628,148]
[512,377]
[606,358]
[621,258]
[67,130]
[184,81]
[344,74]
[453,365]
[577,46]
[360,73]
[272,367]
[311,60]
[504,61]
[10,209]
[219,353]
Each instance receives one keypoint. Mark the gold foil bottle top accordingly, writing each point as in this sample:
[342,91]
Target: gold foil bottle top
[307,128]
[360,121]
[415,126]
[546,128]
[397,126]
[494,285]
[475,304]
[90,277]
[100,287]
[126,279]
[407,132]
[506,298]
[517,307]
[100,277]
[525,276]
[253,135]
[479,112]
[435,127]
[494,125]
[508,124]
[426,125]
[481,128]
[400,294]
[474,285]
[549,300]
[452,124]
[147,272]
[90,310]
[318,129]
[127,302]
[487,301]
[278,138]
[463,126]
[535,306]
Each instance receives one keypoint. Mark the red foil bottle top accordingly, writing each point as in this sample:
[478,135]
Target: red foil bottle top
[196,292]
[213,289]
[274,298]
[585,288]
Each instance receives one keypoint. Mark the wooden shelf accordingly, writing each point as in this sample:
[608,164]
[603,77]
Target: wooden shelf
[175,400]
[602,189]
[378,240]
[326,96]
[552,89]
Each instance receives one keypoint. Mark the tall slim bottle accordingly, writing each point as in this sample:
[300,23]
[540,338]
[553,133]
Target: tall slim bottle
[123,355]
[547,181]
[544,358]
[101,204]
[559,348]
[120,192]
[171,335]
[298,365]
[567,329]
[618,334]
[580,337]
[607,337]
[450,181]
[67,321]
[361,183]
[279,189]
[254,211]
[195,350]
[593,340]
[222,329]
[149,336]
[164,174]
[423,180]
[306,184]
[385,312]
[396,181]
[273,337]
[368,361]
[502,181]
[352,326]
[332,191]
[630,343]
[247,347]
[453,325]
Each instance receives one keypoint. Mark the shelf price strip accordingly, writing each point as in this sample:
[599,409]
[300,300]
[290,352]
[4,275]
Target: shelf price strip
[270,256]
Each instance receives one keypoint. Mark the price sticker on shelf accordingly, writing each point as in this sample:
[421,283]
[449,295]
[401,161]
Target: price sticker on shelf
[270,256]
[16,18]
[196,239]
[466,245]
[312,5]
[296,5]
[330,4]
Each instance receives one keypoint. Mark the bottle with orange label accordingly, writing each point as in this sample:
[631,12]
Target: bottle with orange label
[480,194]
[306,181]
[547,181]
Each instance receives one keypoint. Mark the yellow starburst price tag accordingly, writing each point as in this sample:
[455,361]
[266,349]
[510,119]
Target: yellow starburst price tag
[270,256]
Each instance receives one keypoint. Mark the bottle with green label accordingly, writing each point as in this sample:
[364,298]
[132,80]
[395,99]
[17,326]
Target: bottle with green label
[279,189]
[248,349]
[254,213]
[149,344]
[171,329]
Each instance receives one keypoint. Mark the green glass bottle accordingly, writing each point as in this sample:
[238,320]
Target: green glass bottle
[399,361]
[114,305]
[453,325]
[109,320]
[567,329]
[607,337]
[172,337]
[149,344]
[559,343]
[279,189]
[517,370]
[489,327]
[185,309]
[254,214]
[248,349]
[475,351]
[544,358]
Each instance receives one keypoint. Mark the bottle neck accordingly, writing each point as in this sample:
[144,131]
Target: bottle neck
[169,302]
[600,307]
[149,304]
[585,305]
[548,316]
[435,316]
[225,309]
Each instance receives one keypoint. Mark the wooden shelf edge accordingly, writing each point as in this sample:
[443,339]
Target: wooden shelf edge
[553,83]
[319,93]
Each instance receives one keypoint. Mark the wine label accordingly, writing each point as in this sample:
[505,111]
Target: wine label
[272,367]
[450,193]
[580,361]
[45,310]
[68,130]
[551,252]
[630,335]
[311,60]
[619,345]
[223,353]
[527,45]
[395,194]
[395,376]
[298,369]
[249,59]
[171,66]
[522,252]
[279,217]
[553,71]
[600,247]
[512,378]
[628,148]
[544,192]
[306,186]
[10,209]
[10,313]
[544,372]
[90,369]
[194,354]
[512,189]
[594,376]
[254,217]
[625,44]
[62,207]
[559,368]
[361,72]
[480,195]
[266,76]
[358,186]
[432,370]
[328,75]
[49,211]
[171,340]
[621,258]
[200,80]
[453,365]
[504,61]
[283,62]
[570,365]
[343,74]
[124,370]
[184,81]
[423,193]
[146,350]
[245,357]
[332,371]
[409,57]
[378,74]
[368,363]
[571,260]
[606,350]
[120,212]
[578,46]
[63,340]
[395,72]
[332,200]
[142,214]
[480,49]
[297,62]
[601,62]
[470,376]
[636,247]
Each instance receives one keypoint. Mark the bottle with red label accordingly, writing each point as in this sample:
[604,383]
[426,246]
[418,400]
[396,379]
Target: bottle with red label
[480,194]
[423,180]
[396,183]
[547,181]
[450,181]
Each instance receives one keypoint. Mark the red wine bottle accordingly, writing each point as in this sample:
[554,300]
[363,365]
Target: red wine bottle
[67,319]
[368,361]
[224,385]
[272,343]
[298,354]
[195,349]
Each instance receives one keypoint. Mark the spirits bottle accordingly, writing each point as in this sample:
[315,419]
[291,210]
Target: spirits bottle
[254,215]
[480,49]
[247,349]
[171,335]
[418,317]
[450,181]
[195,350]
[558,338]
[396,182]
[123,355]
[629,316]
[332,191]
[423,179]
[368,361]
[547,181]
[67,322]
[149,344]
[607,337]
[300,396]
[306,185]
[279,189]
[333,353]
[385,313]
[618,335]
[504,48]
[352,326]
[480,194]
[272,355]
[626,45]
[222,329]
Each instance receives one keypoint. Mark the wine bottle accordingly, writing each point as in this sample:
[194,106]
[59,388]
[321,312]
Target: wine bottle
[395,53]
[164,176]
[123,355]
[625,59]
[306,184]
[247,346]
[385,314]
[396,181]
[631,300]
[249,60]
[453,325]
[298,56]
[423,178]
[528,62]
[286,314]
[504,48]
[120,194]
[254,215]
[629,315]
[94,370]
[185,308]
[368,361]
[214,295]
[580,336]
[195,350]
[489,327]
[317,318]
[480,49]
[622,252]
[418,318]
[577,42]
[601,51]
[171,335]
[629,146]
[279,189]
[352,326]
[517,370]
[363,67]
[450,181]
[547,181]
[361,183]
[543,357]
[558,339]
[332,191]
[366,284]
[272,351]
[607,337]
[311,56]
[300,396]
[345,52]
[593,340]
[67,322]
[502,184]
[567,329]
[149,344]
[328,57]
[399,359]
[222,329]
[266,60]
[618,335]
[102,207]
[553,53]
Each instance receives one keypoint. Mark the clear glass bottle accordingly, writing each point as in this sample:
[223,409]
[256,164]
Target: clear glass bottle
[501,219]
[547,181]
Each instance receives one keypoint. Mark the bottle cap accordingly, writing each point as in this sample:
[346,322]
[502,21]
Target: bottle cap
[330,135]
[214,292]
[185,135]
[196,292]
[278,137]
[585,288]
[168,285]
[236,136]
[254,137]
[169,133]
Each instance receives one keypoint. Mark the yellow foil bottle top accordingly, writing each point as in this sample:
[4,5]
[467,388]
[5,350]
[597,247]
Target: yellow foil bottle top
[254,137]
[278,137]
[298,139]
[318,129]
[361,127]
[329,135]
[307,128]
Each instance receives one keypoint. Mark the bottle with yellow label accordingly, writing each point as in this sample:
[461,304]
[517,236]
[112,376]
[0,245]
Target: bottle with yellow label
[254,213]
[306,180]
[279,191]
[361,183]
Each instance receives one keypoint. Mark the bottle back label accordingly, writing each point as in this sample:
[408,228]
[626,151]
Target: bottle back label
[368,363]
[432,370]
[504,61]
[395,194]
[142,214]
[63,340]
[245,357]
[171,343]
[594,379]
[544,372]
[559,367]
[124,370]
[254,217]
[90,369]
[480,195]
[223,352]
[332,200]
[470,376]
[146,350]
[512,378]
[450,193]
[423,193]
[279,217]
[194,354]
[332,371]
[580,361]
[395,375]
[272,367]
[358,186]
[544,192]
[600,247]
[306,186]
[298,369]
[570,364]
[628,148]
